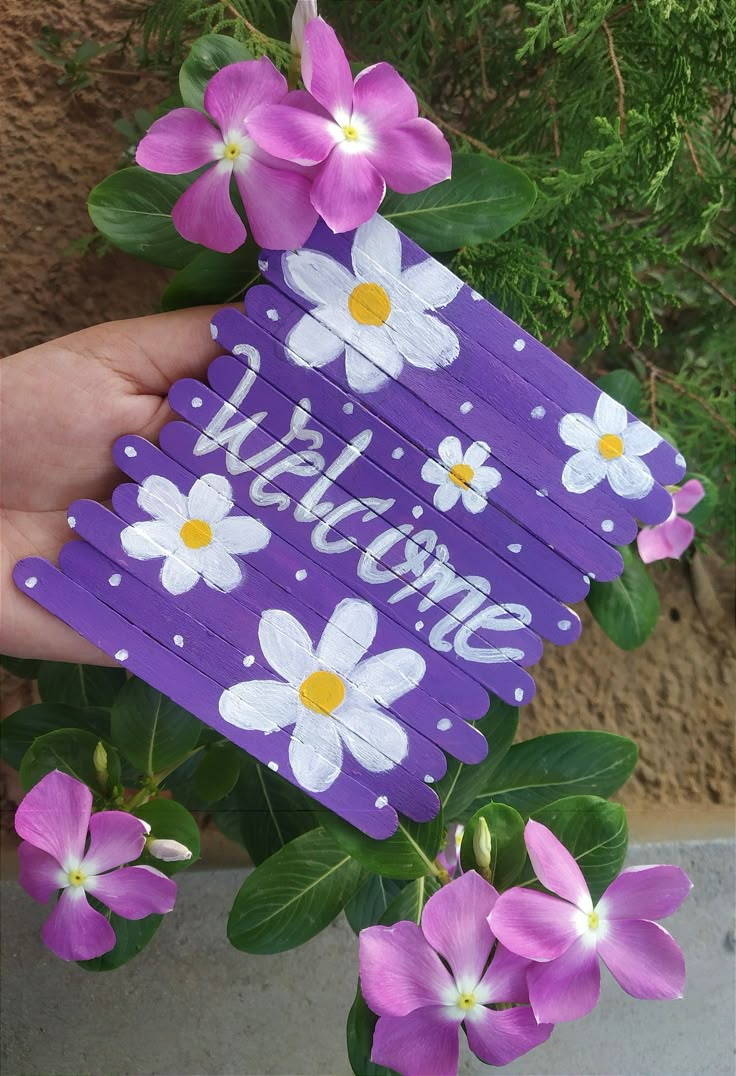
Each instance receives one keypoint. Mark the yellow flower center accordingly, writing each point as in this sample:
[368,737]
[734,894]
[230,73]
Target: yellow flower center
[350,132]
[610,446]
[369,304]
[196,534]
[594,920]
[462,475]
[466,1001]
[76,877]
[322,692]
[231,151]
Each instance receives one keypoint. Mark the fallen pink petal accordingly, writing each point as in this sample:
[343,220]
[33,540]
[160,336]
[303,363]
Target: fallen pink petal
[670,539]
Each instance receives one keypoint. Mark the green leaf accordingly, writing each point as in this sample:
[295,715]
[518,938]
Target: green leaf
[508,851]
[132,208]
[539,771]
[170,821]
[211,277]
[703,510]
[359,1030]
[79,685]
[264,812]
[151,730]
[627,609]
[410,902]
[462,783]
[19,730]
[25,668]
[218,771]
[293,895]
[371,902]
[594,831]
[623,386]
[408,853]
[209,54]
[68,750]
[482,200]
[132,936]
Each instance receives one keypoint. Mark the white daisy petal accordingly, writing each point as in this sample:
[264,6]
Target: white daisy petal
[609,415]
[316,276]
[583,472]
[434,472]
[388,676]
[373,738]
[447,495]
[377,248]
[310,343]
[362,374]
[477,454]
[629,477]
[424,341]
[579,431]
[473,501]
[347,636]
[286,646]
[177,576]
[261,705]
[450,451]
[316,756]
[219,569]
[241,534]
[374,341]
[486,478]
[210,498]
[161,499]
[435,285]
[153,538]
[639,439]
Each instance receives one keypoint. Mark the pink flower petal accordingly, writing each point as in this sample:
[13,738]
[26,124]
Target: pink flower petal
[293,134]
[382,96]
[653,543]
[536,925]
[505,978]
[400,972]
[179,142]
[347,191]
[326,71]
[644,958]
[555,867]
[499,1037]
[75,931]
[412,157]
[277,203]
[566,988]
[424,1043]
[645,893]
[40,874]
[116,837]
[239,88]
[680,533]
[455,923]
[205,214]
[134,892]
[54,817]
[687,496]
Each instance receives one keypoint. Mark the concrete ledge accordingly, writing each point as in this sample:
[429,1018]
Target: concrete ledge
[193,1006]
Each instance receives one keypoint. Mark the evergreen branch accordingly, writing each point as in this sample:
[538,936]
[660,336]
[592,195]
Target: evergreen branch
[620,107]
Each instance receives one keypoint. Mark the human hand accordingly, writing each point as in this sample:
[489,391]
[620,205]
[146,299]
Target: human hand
[62,406]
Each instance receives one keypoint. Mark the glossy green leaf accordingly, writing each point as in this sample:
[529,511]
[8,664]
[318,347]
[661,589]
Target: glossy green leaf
[25,668]
[627,609]
[410,902]
[293,895]
[170,821]
[132,936]
[537,772]
[132,208]
[594,831]
[623,386]
[462,783]
[508,851]
[151,730]
[359,1031]
[482,200]
[703,510]
[217,772]
[408,853]
[71,751]
[371,901]
[211,277]
[19,730]
[79,685]
[208,55]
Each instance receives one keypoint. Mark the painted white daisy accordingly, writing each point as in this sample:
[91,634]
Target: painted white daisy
[196,535]
[332,697]
[377,310]
[609,446]
[459,470]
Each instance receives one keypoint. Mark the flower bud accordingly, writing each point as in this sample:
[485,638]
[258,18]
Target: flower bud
[99,760]
[168,851]
[482,844]
[304,12]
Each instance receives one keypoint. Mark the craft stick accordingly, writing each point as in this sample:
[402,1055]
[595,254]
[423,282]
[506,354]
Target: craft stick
[403,782]
[188,687]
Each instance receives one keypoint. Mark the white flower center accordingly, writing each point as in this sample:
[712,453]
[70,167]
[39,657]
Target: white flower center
[610,446]
[322,692]
[594,921]
[369,304]
[196,534]
[234,148]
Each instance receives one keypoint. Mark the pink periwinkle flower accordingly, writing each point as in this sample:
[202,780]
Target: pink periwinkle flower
[422,1004]
[363,135]
[449,857]
[53,820]
[275,194]
[671,538]
[567,933]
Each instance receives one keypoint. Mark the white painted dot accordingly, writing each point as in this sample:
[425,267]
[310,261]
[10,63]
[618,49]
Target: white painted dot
[121,655]
[179,640]
[263,264]
[382,801]
[466,407]
[417,511]
[680,460]
[564,625]
[592,575]
[130,451]
[115,580]
[586,580]
[301,574]
[428,779]
[248,660]
[538,412]
[213,331]
[31,582]
[274,766]
[519,345]
[444,724]
[607,525]
[518,694]
[197,402]
[476,296]
[419,625]
[542,492]
[272,315]
[397,454]
[515,547]
[347,408]
[71,520]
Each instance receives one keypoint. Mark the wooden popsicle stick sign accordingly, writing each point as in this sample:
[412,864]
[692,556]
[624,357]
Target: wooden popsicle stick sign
[377,510]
